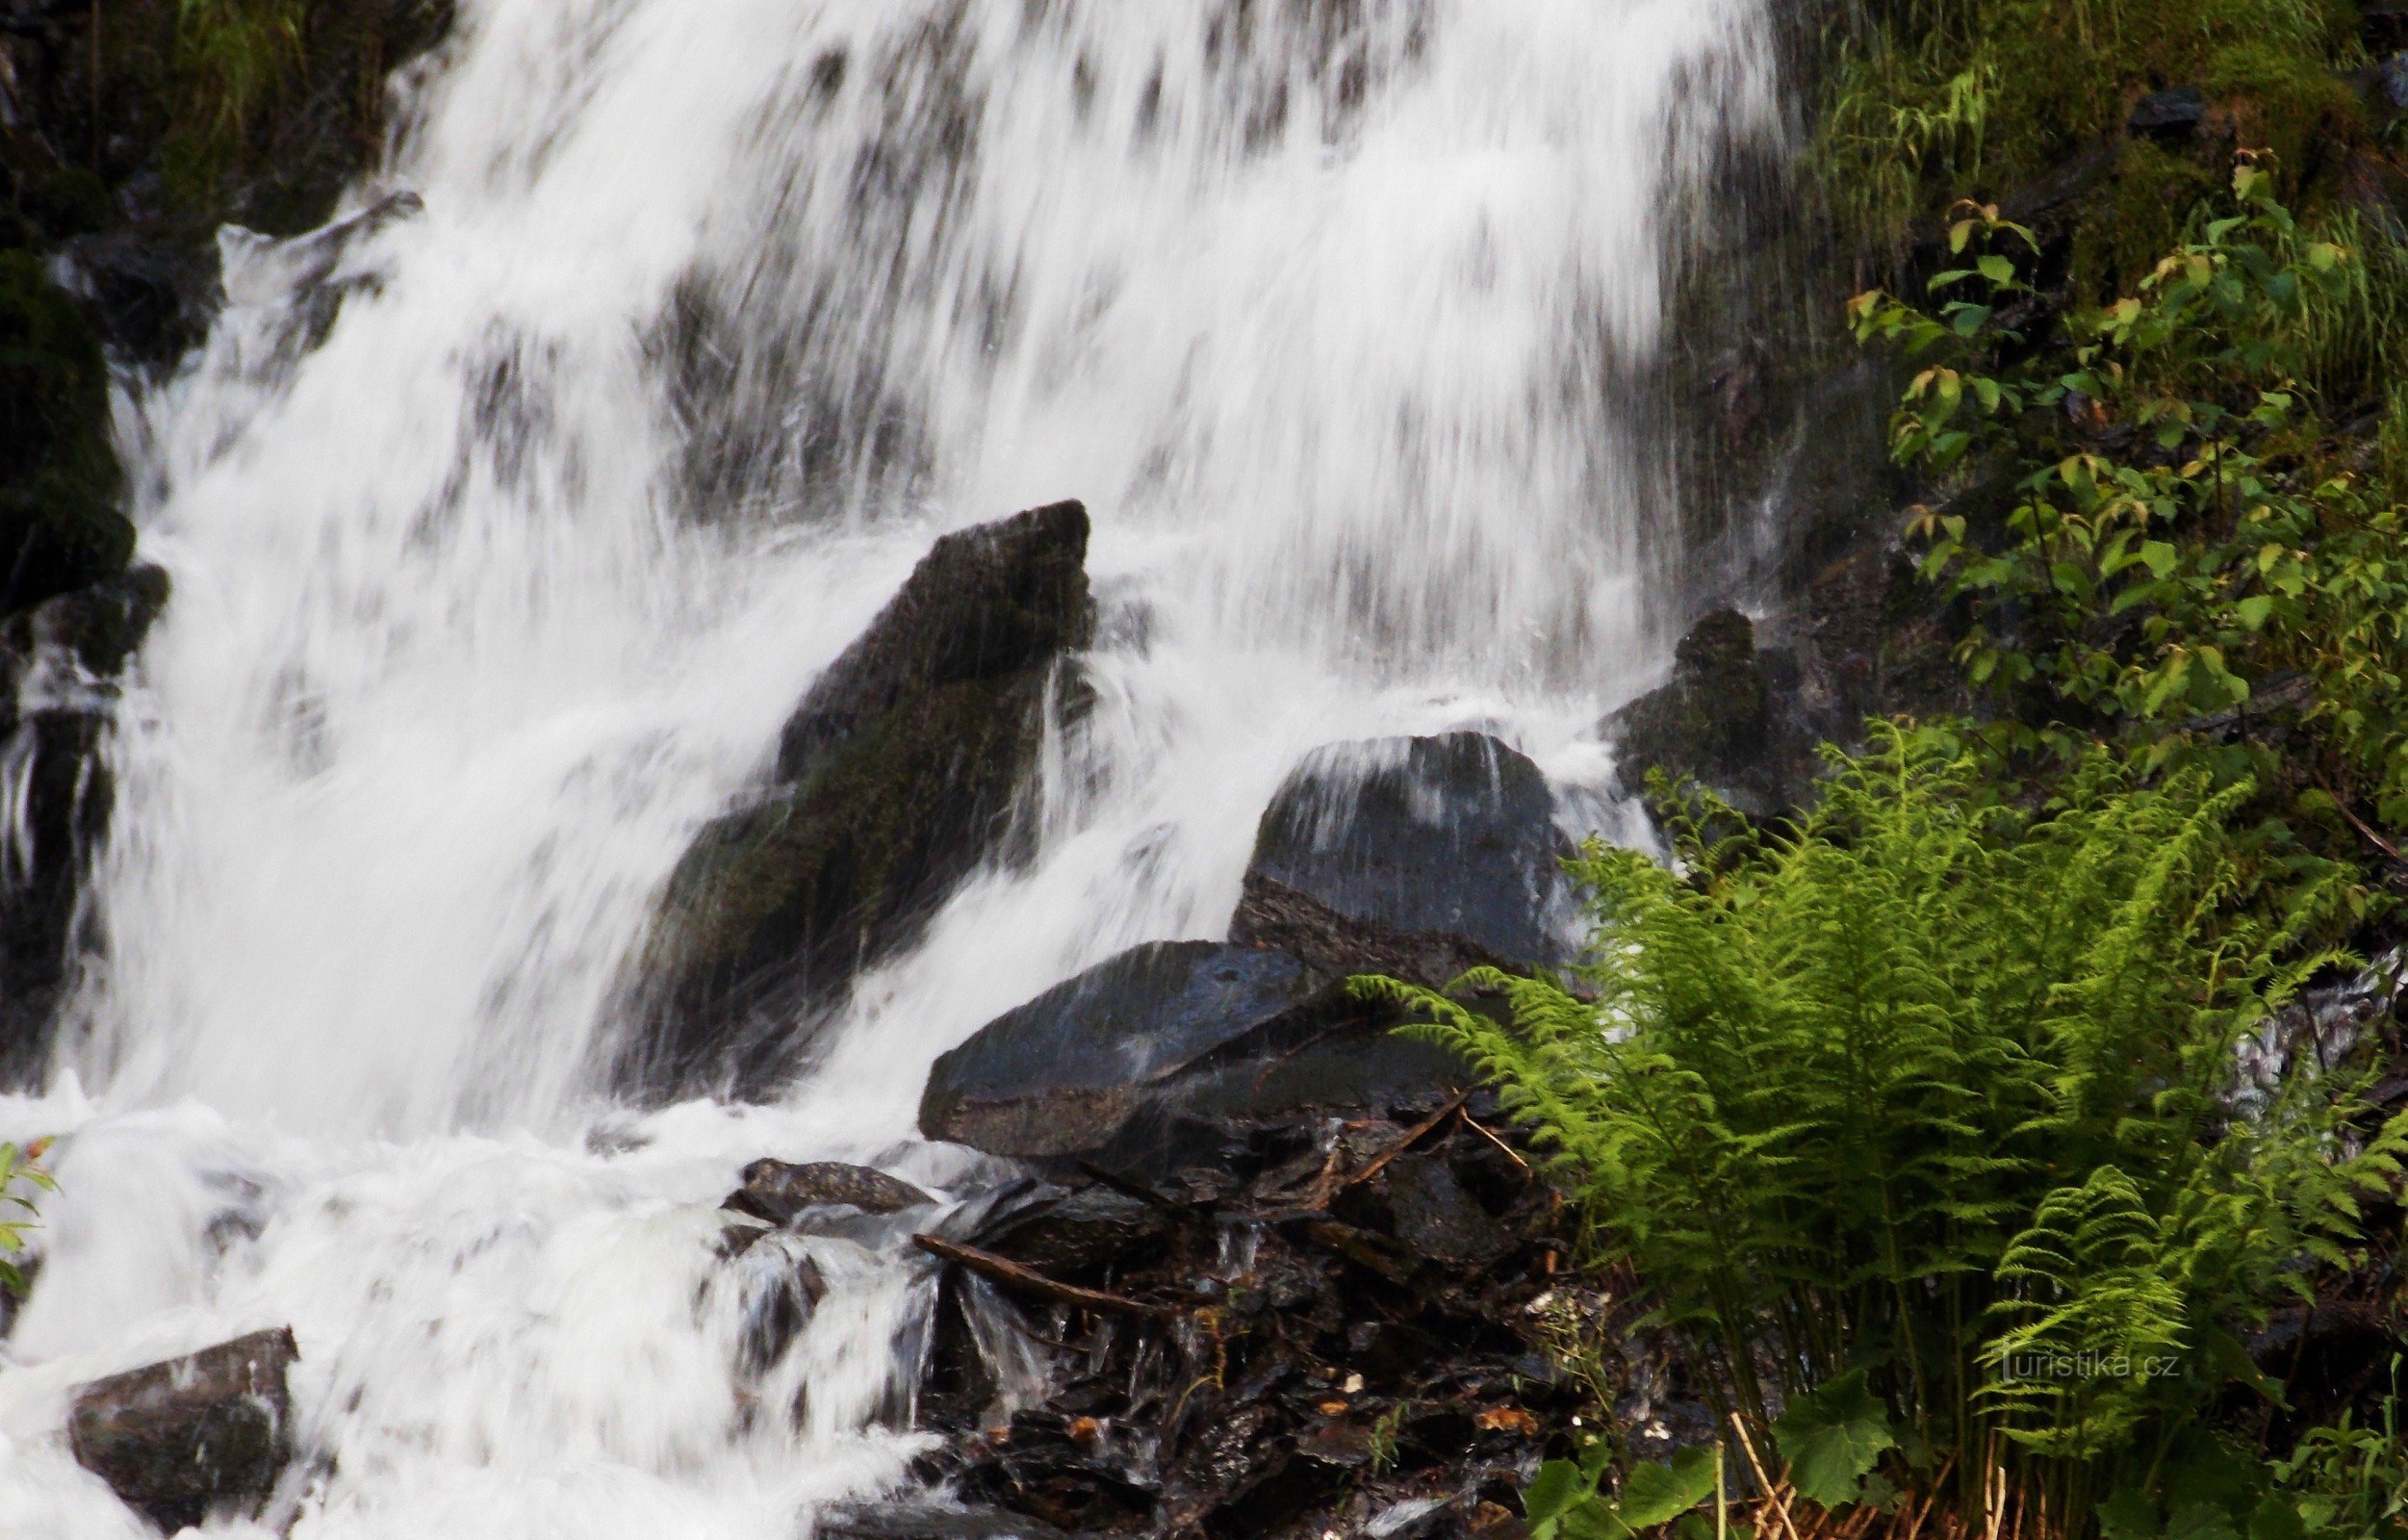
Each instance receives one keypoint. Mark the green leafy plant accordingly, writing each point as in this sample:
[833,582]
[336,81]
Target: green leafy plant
[1568,1500]
[1917,1123]
[2177,565]
[2351,1480]
[20,1171]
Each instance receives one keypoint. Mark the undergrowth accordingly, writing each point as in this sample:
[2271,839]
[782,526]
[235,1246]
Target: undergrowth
[1922,1129]
[1927,99]
[2157,539]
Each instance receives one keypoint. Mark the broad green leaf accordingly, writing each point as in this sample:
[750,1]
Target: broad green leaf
[1832,1438]
[2159,556]
[1656,1494]
[1997,270]
[1557,1487]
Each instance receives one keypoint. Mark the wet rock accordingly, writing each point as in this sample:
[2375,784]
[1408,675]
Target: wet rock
[1721,720]
[776,1192]
[1065,1073]
[1428,1209]
[2394,75]
[181,1439]
[1076,1232]
[58,666]
[1414,857]
[782,1289]
[896,778]
[921,1521]
[2173,113]
[983,603]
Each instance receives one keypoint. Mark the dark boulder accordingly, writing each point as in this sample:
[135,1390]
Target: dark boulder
[985,604]
[896,778]
[1725,719]
[57,663]
[1164,1054]
[181,1439]
[1064,1074]
[1413,857]
[776,1192]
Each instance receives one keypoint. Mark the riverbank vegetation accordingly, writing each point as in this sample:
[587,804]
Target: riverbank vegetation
[1964,1133]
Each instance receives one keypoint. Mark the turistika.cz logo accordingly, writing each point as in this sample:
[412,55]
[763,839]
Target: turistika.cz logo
[2090,1366]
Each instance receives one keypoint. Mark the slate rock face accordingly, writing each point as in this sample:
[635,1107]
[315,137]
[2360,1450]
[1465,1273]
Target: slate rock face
[1066,1072]
[896,779]
[180,1439]
[1414,857]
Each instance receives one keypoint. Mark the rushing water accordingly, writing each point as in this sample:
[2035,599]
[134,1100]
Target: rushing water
[506,529]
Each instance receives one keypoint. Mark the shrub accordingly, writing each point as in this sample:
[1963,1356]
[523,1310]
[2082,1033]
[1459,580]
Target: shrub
[1919,1121]
[2181,564]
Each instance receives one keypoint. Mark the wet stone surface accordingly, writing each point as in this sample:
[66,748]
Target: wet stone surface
[190,1436]
[1347,1323]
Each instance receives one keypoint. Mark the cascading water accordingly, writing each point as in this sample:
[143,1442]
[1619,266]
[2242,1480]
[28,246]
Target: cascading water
[506,529]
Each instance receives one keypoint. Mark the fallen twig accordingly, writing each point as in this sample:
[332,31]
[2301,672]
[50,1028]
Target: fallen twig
[1482,1129]
[1010,1275]
[1412,1136]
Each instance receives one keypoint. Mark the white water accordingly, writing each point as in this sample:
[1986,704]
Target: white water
[488,601]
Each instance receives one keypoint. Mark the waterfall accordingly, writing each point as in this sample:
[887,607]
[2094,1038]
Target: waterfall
[509,517]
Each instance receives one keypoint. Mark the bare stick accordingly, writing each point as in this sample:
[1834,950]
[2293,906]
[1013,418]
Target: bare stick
[1010,1275]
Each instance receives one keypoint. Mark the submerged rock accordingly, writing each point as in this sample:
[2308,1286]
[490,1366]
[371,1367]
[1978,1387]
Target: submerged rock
[181,1439]
[896,778]
[928,1521]
[1414,857]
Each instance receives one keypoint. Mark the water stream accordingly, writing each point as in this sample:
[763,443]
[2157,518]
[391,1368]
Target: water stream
[508,523]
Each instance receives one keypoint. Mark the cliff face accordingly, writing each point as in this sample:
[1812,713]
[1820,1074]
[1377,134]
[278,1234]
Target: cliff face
[129,133]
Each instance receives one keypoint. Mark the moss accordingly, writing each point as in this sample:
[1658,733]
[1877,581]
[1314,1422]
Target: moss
[60,527]
[2136,218]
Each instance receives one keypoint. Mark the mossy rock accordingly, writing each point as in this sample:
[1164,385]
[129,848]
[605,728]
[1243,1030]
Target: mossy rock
[1725,720]
[897,778]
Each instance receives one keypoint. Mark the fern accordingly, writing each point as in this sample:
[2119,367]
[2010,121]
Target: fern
[1938,1086]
